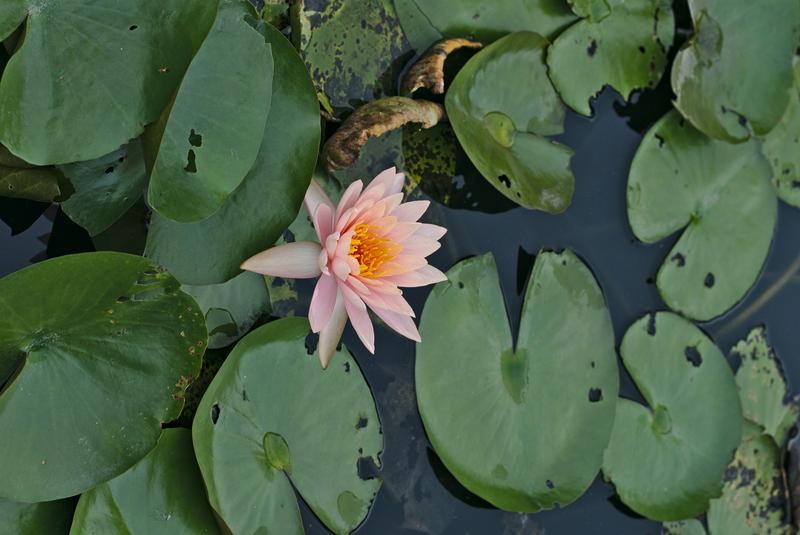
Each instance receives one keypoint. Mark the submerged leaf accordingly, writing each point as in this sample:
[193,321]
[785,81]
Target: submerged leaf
[21,180]
[666,459]
[721,194]
[428,71]
[521,453]
[373,120]
[273,421]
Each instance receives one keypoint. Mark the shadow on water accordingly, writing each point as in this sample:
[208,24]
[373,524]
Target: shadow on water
[418,495]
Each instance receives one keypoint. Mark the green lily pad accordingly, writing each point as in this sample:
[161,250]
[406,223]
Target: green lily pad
[594,10]
[683,527]
[734,76]
[667,459]
[268,199]
[112,69]
[417,28]
[105,188]
[500,105]
[721,193]
[754,495]
[231,308]
[494,408]
[21,180]
[163,493]
[626,49]
[273,421]
[353,48]
[50,518]
[762,386]
[209,137]
[488,21]
[782,147]
[96,351]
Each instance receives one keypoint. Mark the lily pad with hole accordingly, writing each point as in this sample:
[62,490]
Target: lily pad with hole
[501,104]
[754,494]
[111,70]
[231,308]
[733,78]
[208,139]
[765,396]
[273,421]
[666,459]
[21,180]
[782,147]
[163,493]
[96,351]
[51,518]
[489,21]
[495,409]
[105,188]
[354,49]
[625,49]
[721,195]
[268,199]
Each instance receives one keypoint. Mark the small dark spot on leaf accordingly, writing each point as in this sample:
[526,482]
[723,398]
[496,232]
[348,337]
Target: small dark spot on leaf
[660,140]
[592,364]
[361,423]
[244,396]
[549,484]
[796,183]
[288,236]
[347,367]
[709,281]
[642,49]
[746,476]
[214,413]
[195,139]
[592,50]
[730,474]
[651,324]
[693,356]
[460,284]
[123,298]
[595,395]
[679,259]
[133,28]
[109,170]
[191,165]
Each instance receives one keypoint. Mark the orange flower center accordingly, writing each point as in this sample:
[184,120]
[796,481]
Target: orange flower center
[372,252]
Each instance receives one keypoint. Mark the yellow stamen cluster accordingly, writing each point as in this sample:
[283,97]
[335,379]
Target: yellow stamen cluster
[371,251]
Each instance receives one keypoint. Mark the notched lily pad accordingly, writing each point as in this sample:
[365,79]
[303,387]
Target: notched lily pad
[754,494]
[209,137]
[105,188]
[625,48]
[721,194]
[501,104]
[667,459]
[519,454]
[353,48]
[21,180]
[782,147]
[273,421]
[766,400]
[733,78]
[110,326]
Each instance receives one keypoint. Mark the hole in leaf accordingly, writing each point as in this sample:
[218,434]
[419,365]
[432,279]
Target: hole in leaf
[367,469]
[191,165]
[709,281]
[214,413]
[595,395]
[505,181]
[312,339]
[651,324]
[195,139]
[549,484]
[347,367]
[133,28]
[693,356]
[362,422]
[109,170]
[679,259]
[592,50]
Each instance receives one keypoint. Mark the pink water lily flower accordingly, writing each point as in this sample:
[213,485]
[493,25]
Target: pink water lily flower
[372,245]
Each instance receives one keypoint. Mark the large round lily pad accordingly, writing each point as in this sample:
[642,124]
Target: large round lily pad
[501,104]
[722,194]
[112,69]
[782,147]
[96,351]
[163,493]
[273,421]
[268,199]
[209,137]
[44,518]
[667,459]
[626,49]
[734,76]
[522,425]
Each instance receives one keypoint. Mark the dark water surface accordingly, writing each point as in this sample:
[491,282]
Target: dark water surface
[418,496]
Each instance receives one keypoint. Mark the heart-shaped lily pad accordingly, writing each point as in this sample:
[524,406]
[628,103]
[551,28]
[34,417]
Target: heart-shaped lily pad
[782,147]
[273,421]
[268,199]
[163,493]
[722,194]
[105,188]
[209,137]
[734,76]
[231,308]
[762,387]
[96,351]
[522,425]
[754,495]
[112,69]
[50,518]
[500,104]
[625,48]
[667,459]
[487,21]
